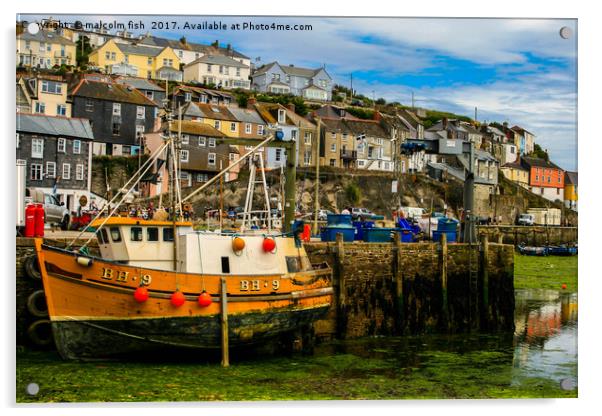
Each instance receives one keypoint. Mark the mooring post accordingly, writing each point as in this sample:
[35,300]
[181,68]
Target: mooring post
[398,276]
[500,238]
[485,274]
[224,321]
[340,298]
[445,305]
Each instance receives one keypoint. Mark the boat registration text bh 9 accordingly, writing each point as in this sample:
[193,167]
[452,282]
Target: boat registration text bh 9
[256,285]
[122,276]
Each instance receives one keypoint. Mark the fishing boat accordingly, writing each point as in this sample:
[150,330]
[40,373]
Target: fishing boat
[547,250]
[159,283]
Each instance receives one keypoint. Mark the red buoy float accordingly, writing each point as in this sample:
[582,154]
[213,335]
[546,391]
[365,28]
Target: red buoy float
[141,294]
[177,299]
[205,299]
[564,285]
[269,245]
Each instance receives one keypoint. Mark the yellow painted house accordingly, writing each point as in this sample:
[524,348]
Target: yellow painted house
[44,49]
[516,173]
[135,60]
[570,190]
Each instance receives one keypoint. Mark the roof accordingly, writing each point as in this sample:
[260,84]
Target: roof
[218,60]
[216,112]
[334,112]
[370,128]
[196,47]
[139,83]
[196,128]
[570,178]
[78,128]
[46,37]
[110,92]
[269,113]
[199,90]
[246,115]
[289,70]
[540,163]
[394,121]
[410,118]
[484,155]
[515,165]
[495,130]
[520,130]
[128,49]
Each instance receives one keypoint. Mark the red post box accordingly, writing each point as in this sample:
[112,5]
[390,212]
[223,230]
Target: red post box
[30,220]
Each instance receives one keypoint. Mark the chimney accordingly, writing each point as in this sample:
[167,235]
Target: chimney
[444,123]
[377,116]
[215,44]
[229,47]
[291,107]
[251,102]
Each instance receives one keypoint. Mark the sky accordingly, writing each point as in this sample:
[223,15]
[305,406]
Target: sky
[516,70]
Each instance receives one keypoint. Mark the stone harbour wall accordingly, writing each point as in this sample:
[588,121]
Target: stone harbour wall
[529,235]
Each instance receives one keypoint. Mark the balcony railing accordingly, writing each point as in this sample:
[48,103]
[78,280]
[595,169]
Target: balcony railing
[349,154]
[61,54]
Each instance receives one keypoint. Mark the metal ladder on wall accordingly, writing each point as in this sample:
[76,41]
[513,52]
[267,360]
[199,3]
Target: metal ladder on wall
[473,280]
[248,219]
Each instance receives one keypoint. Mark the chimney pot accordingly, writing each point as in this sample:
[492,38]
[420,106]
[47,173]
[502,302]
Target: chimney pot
[251,102]
[291,107]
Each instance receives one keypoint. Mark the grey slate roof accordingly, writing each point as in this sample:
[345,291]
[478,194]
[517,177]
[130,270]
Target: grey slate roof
[78,128]
[196,47]
[246,115]
[571,178]
[218,60]
[139,83]
[290,70]
[46,37]
[138,50]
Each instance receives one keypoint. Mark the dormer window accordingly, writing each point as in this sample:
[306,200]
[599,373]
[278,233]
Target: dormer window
[281,116]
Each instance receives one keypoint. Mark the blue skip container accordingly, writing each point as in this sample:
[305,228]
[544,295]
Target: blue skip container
[451,236]
[379,235]
[338,219]
[447,224]
[330,233]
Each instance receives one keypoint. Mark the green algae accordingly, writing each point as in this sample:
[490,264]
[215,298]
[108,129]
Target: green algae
[550,272]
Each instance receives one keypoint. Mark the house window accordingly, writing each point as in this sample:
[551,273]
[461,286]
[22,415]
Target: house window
[307,157]
[557,191]
[185,178]
[202,141]
[107,55]
[208,67]
[232,126]
[307,137]
[61,110]
[116,109]
[278,155]
[37,148]
[248,128]
[202,177]
[183,155]
[149,95]
[149,61]
[333,134]
[260,129]
[217,124]
[187,97]
[140,111]
[89,104]
[281,116]
[211,142]
[232,157]
[77,147]
[185,139]
[294,134]
[113,56]
[35,172]
[61,145]
[360,163]
[50,169]
[79,172]
[536,178]
[237,72]
[333,147]
[211,159]
[345,137]
[167,62]
[66,171]
[116,129]
[40,107]
[126,59]
[51,87]
[333,162]
[139,132]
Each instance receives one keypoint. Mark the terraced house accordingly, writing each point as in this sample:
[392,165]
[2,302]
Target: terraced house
[58,155]
[138,61]
[545,178]
[220,71]
[183,94]
[44,94]
[311,84]
[119,115]
[45,49]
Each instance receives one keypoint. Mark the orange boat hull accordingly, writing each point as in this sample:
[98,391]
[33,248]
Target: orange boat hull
[94,313]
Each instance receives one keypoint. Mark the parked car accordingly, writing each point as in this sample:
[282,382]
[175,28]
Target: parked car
[361,213]
[526,219]
[55,212]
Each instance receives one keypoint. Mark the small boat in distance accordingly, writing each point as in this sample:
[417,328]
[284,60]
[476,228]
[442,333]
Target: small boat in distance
[547,250]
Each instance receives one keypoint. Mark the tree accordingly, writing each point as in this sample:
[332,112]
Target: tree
[539,153]
[82,53]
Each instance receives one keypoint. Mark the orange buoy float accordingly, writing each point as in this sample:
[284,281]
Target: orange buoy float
[141,294]
[564,285]
[238,244]
[205,299]
[177,299]
[269,245]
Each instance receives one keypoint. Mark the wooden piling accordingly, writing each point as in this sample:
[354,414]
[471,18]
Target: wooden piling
[500,238]
[340,287]
[485,276]
[443,274]
[398,276]
[224,322]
